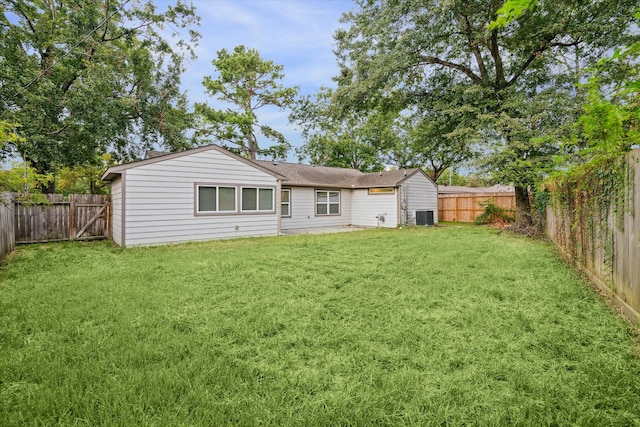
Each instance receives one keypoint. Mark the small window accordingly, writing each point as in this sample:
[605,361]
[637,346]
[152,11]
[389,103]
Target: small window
[207,199]
[216,199]
[227,198]
[285,202]
[381,190]
[257,199]
[327,202]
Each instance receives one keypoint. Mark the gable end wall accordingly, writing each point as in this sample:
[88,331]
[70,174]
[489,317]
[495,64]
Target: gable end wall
[160,200]
[421,194]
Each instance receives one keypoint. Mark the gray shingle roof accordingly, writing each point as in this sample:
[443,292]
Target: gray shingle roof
[385,178]
[323,176]
[150,154]
[293,174]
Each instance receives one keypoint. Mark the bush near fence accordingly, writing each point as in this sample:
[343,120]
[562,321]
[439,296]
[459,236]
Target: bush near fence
[466,207]
[608,252]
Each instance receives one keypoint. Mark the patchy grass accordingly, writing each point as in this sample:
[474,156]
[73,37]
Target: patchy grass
[449,325]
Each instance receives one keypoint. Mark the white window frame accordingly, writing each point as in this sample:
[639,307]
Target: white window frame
[217,187]
[328,203]
[257,209]
[288,190]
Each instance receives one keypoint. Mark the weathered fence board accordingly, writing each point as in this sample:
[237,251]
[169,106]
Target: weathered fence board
[7,232]
[466,207]
[607,251]
[82,217]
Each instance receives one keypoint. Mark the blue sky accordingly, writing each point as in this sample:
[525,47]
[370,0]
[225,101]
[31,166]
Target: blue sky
[297,34]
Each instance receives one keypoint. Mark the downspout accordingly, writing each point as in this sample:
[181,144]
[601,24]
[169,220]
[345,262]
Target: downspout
[279,207]
[404,204]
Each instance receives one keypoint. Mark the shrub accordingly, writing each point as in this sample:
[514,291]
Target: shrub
[494,214]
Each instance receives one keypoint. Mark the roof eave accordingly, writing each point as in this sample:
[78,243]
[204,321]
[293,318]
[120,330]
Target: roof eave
[109,174]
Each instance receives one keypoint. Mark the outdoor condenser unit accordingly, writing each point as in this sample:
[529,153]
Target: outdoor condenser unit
[424,218]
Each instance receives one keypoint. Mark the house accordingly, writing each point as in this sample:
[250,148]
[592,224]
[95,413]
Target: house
[210,193]
[328,196]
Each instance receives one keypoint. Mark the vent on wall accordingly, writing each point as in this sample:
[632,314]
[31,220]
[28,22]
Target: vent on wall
[424,218]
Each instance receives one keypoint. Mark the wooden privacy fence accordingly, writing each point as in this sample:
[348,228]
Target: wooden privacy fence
[7,233]
[466,207]
[80,217]
[608,251]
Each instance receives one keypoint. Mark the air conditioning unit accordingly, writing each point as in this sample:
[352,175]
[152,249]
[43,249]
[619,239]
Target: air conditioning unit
[424,218]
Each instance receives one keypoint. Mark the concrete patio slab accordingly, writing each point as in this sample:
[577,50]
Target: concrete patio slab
[322,230]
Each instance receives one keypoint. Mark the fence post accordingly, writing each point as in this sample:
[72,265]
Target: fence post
[108,220]
[72,217]
[7,224]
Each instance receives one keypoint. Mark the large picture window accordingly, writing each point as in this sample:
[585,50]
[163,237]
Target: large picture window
[215,199]
[327,202]
[257,199]
[285,202]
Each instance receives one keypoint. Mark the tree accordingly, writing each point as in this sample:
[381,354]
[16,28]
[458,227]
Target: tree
[84,179]
[412,47]
[441,131]
[81,80]
[452,177]
[357,140]
[8,134]
[24,179]
[247,83]
[510,11]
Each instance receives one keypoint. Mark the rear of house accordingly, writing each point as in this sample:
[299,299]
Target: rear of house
[210,193]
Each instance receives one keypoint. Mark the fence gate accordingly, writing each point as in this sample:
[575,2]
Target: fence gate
[82,217]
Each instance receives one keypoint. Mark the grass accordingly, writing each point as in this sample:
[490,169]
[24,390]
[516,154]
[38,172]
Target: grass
[438,326]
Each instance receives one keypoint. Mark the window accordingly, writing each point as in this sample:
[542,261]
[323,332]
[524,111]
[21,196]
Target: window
[285,202]
[257,199]
[327,202]
[381,190]
[215,199]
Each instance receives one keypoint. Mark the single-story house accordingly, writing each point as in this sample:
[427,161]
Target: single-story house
[210,193]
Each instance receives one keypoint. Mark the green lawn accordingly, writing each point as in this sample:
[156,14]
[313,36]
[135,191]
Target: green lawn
[438,326]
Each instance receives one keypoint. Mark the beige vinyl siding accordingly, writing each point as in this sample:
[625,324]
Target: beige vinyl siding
[160,200]
[422,195]
[303,210]
[116,210]
[365,208]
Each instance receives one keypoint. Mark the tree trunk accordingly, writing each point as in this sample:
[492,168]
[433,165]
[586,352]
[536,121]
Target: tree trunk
[523,206]
[43,168]
[50,188]
[252,146]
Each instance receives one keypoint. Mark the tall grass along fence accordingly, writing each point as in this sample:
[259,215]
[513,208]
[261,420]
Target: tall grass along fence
[466,207]
[77,217]
[7,229]
[607,251]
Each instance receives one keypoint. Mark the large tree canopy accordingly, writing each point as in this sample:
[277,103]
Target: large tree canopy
[511,83]
[247,83]
[358,140]
[81,78]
